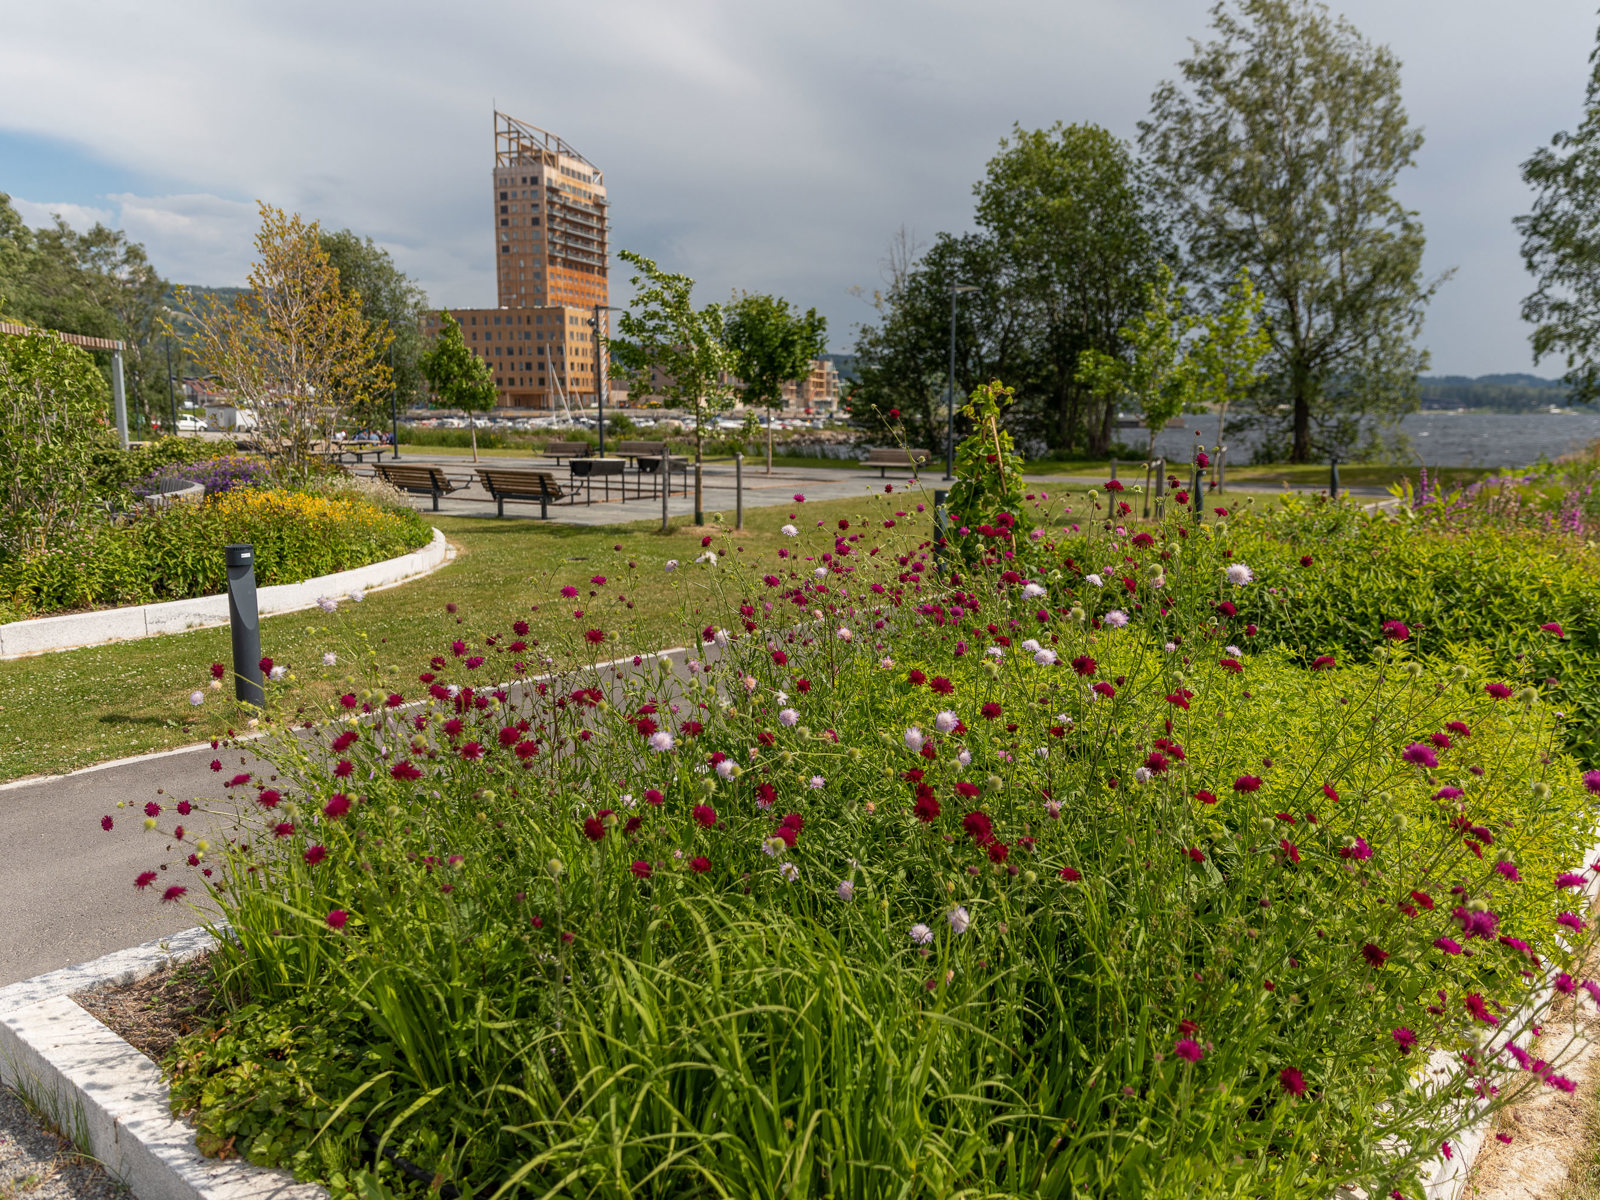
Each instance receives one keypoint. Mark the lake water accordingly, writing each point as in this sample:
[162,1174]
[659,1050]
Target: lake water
[1439,439]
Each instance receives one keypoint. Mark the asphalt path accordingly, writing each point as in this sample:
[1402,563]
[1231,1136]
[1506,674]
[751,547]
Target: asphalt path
[69,883]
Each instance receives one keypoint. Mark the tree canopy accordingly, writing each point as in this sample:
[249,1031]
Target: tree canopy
[1561,247]
[772,343]
[391,301]
[1280,151]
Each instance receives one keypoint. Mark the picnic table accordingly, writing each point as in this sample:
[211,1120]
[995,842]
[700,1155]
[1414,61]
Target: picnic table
[590,469]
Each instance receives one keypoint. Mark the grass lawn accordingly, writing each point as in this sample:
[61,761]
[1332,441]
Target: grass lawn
[78,707]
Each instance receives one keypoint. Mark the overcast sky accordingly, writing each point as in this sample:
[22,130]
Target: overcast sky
[774,147]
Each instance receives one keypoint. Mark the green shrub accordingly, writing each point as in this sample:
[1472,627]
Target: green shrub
[1142,916]
[1454,588]
[176,552]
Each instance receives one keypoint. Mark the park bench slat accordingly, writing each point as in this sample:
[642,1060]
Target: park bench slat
[884,457]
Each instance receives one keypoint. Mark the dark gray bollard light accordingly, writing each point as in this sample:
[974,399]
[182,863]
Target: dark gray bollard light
[941,524]
[1333,477]
[1113,468]
[244,622]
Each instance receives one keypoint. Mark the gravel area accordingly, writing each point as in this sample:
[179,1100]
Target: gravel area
[37,1165]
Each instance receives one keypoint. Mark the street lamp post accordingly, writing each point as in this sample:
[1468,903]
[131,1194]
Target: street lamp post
[950,408]
[394,408]
[172,391]
[602,378]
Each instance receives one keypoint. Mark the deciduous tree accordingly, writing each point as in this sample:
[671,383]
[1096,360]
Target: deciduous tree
[772,343]
[295,348]
[667,346]
[458,378]
[1561,247]
[390,300]
[1280,150]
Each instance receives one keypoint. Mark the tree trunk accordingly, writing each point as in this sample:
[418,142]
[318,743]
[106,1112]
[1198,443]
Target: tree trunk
[769,441]
[699,441]
[473,422]
[1301,450]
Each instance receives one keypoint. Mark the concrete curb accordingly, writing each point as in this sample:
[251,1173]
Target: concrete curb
[110,1099]
[19,639]
[1450,1178]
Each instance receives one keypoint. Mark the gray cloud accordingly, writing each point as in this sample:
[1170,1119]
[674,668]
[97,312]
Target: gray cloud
[749,144]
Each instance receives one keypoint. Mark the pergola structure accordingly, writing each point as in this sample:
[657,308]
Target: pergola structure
[119,399]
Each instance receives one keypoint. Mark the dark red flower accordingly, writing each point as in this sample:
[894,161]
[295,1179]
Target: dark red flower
[1375,957]
[700,864]
[978,827]
[1205,797]
[990,711]
[641,869]
[144,880]
[314,855]
[594,829]
[1291,1081]
[704,816]
[337,806]
[405,771]
[1071,874]
[337,919]
[1084,665]
[175,892]
[941,686]
[1247,783]
[1396,631]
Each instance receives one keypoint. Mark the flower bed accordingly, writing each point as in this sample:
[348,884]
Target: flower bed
[175,553]
[218,475]
[1035,877]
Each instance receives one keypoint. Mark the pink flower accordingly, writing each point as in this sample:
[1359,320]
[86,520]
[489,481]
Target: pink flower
[1071,874]
[1498,690]
[1205,797]
[1569,880]
[1553,627]
[1323,662]
[173,893]
[569,592]
[1291,1081]
[1188,1049]
[1591,780]
[1419,755]
[1247,783]
[1448,945]
[1404,1039]
[704,816]
[1572,921]
[1509,870]
[1396,631]
[337,918]
[144,880]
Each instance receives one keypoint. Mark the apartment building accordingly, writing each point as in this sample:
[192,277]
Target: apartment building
[548,207]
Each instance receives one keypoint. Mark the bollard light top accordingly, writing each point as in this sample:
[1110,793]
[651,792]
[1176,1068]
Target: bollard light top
[239,556]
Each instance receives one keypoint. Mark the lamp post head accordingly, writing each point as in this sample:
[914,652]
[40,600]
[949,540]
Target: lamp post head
[957,288]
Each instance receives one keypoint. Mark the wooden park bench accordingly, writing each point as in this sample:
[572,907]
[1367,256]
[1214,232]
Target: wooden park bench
[509,484]
[419,480]
[560,450]
[893,456]
[634,450]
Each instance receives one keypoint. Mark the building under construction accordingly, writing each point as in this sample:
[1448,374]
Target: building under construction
[548,211]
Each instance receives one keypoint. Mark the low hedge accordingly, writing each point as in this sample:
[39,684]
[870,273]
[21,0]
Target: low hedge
[176,553]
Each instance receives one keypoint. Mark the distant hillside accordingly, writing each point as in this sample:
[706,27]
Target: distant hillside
[845,364]
[1500,393]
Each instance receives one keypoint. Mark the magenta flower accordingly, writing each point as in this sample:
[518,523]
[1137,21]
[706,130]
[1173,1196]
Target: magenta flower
[1568,879]
[641,869]
[1396,631]
[1359,850]
[1509,870]
[173,893]
[337,918]
[1565,984]
[1553,627]
[1188,1049]
[1404,1039]
[144,879]
[1374,956]
[1291,1081]
[106,823]
[1247,783]
[1479,1010]
[1591,780]
[1419,755]
[704,815]
[1497,690]
[1448,945]
[1572,921]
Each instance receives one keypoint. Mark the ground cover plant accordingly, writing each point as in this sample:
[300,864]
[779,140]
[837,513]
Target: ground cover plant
[1028,868]
[1453,577]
